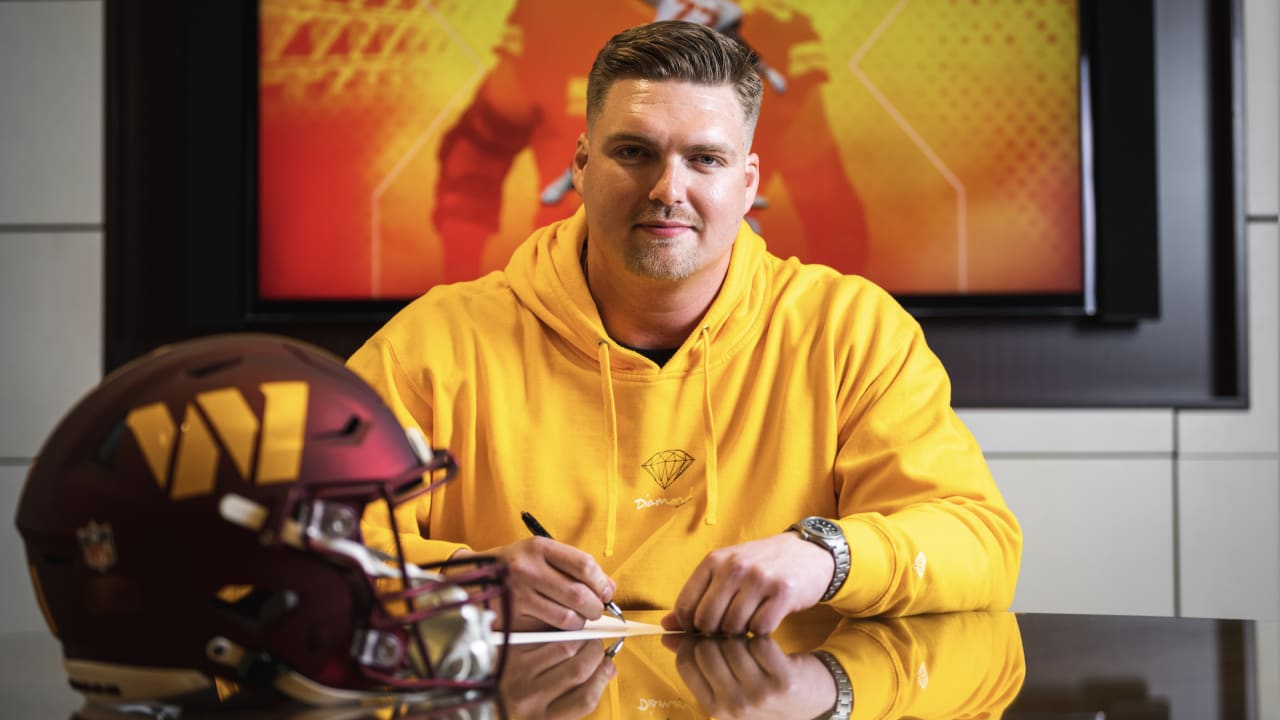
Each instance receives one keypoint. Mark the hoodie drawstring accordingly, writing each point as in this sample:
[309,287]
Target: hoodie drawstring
[709,436]
[611,425]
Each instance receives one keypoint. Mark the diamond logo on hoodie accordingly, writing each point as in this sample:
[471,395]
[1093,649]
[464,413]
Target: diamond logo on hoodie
[665,466]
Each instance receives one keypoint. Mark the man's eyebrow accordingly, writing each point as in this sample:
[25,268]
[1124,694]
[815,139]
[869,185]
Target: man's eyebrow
[695,149]
[710,149]
[627,137]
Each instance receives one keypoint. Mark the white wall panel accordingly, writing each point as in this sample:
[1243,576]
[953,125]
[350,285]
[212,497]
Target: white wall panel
[33,682]
[1267,672]
[1267,669]
[18,610]
[1071,431]
[1257,429]
[1098,534]
[1228,538]
[1262,106]
[51,125]
[51,325]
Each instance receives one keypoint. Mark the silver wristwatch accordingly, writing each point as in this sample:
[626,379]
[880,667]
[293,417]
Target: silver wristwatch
[844,688]
[824,532]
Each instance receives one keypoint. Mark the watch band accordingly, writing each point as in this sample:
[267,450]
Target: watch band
[844,687]
[829,536]
[840,552]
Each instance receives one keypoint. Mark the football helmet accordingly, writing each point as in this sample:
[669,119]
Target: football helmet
[197,517]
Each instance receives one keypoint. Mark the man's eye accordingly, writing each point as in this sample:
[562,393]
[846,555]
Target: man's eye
[629,152]
[707,160]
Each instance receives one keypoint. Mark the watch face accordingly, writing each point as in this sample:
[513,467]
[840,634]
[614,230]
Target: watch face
[822,526]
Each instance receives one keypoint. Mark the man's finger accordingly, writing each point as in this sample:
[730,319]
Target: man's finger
[768,655]
[726,583]
[746,671]
[584,698]
[535,611]
[581,567]
[535,659]
[573,597]
[768,615]
[691,673]
[576,670]
[740,611]
[691,594]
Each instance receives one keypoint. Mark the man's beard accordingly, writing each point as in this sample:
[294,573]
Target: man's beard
[669,260]
[662,261]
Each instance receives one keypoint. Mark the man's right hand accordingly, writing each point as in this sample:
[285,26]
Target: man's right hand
[552,585]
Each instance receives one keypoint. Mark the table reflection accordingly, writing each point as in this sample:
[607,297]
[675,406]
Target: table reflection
[957,665]
[1023,667]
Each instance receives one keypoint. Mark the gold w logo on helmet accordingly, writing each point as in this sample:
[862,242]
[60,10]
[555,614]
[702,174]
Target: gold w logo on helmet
[191,471]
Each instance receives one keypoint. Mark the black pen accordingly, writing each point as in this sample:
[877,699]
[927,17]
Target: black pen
[536,528]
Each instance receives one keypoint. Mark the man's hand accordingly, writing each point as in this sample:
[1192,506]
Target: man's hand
[751,677]
[552,584]
[752,586]
[560,680]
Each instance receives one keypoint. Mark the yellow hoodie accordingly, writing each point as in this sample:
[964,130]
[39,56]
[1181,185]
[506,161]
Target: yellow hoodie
[803,392]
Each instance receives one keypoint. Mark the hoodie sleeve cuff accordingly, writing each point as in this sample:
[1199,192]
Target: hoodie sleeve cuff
[421,551]
[871,568]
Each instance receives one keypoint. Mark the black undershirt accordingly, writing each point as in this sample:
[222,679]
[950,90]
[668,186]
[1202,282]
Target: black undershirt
[659,356]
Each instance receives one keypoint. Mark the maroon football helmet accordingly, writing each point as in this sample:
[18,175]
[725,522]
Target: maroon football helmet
[197,516]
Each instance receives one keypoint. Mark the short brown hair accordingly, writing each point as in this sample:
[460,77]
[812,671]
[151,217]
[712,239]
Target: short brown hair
[676,50]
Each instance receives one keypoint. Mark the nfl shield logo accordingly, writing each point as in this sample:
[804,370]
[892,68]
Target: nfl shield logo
[98,545]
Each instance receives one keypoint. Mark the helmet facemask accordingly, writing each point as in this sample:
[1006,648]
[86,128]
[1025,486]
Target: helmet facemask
[431,626]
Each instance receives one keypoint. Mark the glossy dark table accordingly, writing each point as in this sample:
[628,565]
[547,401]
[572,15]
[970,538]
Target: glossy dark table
[980,665]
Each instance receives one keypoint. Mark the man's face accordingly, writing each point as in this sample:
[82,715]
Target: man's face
[666,177]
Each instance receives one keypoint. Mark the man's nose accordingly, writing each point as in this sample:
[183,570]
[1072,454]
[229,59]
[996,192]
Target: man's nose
[670,185]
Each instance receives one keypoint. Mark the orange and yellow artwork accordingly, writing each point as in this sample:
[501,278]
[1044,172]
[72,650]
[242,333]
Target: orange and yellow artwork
[930,145]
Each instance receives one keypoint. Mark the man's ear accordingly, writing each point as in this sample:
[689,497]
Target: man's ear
[580,161]
[752,170]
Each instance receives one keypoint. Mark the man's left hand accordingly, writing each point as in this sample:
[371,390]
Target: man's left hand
[752,586]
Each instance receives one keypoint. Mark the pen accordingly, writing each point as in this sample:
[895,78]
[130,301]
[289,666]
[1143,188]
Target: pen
[536,528]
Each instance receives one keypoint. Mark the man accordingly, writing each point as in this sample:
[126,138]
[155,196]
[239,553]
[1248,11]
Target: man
[533,102]
[700,425]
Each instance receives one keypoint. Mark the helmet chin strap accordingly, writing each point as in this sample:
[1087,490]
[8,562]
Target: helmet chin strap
[313,693]
[112,683]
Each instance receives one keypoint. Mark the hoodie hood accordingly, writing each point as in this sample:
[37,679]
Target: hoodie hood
[546,275]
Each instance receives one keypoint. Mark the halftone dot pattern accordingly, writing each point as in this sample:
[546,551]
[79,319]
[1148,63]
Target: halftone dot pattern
[990,87]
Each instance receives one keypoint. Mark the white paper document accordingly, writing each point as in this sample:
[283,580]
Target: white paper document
[605,627]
